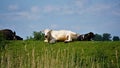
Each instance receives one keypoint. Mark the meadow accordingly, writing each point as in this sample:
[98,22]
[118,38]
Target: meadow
[79,54]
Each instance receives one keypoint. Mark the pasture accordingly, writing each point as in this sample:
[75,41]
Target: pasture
[80,54]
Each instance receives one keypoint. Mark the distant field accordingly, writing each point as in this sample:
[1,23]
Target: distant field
[37,54]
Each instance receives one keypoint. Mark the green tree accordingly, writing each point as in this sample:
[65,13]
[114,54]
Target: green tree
[98,37]
[29,38]
[38,35]
[106,37]
[116,38]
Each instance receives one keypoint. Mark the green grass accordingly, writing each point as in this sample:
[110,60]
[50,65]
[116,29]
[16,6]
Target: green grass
[37,54]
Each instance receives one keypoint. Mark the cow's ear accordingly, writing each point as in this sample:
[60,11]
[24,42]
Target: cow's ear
[50,30]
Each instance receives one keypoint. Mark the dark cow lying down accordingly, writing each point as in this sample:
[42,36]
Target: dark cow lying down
[9,35]
[86,37]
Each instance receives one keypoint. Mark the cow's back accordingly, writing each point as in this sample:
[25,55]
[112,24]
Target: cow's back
[62,35]
[7,34]
[59,35]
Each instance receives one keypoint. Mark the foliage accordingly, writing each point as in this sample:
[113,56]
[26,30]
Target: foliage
[116,38]
[98,37]
[37,54]
[36,36]
[106,36]
[29,38]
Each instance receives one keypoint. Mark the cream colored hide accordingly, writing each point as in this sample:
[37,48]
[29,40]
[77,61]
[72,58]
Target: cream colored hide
[51,36]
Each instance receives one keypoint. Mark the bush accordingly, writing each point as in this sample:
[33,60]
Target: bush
[116,38]
[36,36]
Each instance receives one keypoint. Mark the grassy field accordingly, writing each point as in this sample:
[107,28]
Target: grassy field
[37,54]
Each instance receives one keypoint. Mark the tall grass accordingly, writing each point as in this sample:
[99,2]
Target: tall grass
[37,54]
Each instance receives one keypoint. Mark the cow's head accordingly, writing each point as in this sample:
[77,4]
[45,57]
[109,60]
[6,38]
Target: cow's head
[91,34]
[47,35]
[88,36]
[14,35]
[80,37]
[18,38]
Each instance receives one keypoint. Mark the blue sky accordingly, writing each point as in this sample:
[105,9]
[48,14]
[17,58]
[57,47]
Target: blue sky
[80,16]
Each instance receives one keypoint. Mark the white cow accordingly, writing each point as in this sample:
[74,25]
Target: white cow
[51,36]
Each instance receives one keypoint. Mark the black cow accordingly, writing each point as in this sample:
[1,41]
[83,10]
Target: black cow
[9,35]
[18,38]
[86,37]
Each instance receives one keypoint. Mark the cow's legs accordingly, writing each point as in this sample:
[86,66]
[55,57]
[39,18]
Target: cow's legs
[52,41]
[69,39]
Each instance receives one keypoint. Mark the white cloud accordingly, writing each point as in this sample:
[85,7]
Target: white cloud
[116,12]
[53,26]
[32,14]
[80,3]
[13,7]
[95,9]
[99,8]
[58,9]
[35,9]
[68,10]
[50,8]
[78,7]
[20,15]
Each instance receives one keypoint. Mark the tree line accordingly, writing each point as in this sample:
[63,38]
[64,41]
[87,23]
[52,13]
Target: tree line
[106,37]
[97,37]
